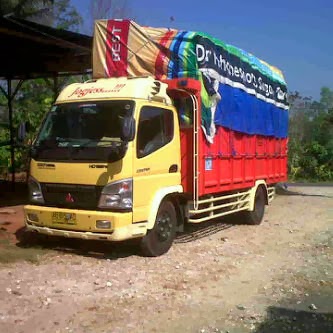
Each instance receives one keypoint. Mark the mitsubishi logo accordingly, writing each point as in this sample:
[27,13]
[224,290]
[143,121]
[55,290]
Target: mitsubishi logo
[69,198]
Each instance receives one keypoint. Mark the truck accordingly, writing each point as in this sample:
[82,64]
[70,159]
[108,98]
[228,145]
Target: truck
[175,127]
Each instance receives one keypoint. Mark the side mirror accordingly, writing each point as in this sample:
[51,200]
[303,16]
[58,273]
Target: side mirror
[117,151]
[128,129]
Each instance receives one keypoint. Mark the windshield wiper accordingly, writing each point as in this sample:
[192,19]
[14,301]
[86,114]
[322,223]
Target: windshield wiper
[47,144]
[54,142]
[112,142]
[115,142]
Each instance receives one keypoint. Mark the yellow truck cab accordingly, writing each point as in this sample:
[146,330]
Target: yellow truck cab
[106,164]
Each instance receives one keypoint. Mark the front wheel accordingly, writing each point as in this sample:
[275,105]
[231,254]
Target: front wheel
[255,217]
[159,239]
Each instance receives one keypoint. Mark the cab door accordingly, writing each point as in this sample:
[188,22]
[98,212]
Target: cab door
[157,157]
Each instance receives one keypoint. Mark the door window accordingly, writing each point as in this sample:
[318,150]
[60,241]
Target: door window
[155,130]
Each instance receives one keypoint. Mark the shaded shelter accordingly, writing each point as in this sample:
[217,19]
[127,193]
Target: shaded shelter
[30,50]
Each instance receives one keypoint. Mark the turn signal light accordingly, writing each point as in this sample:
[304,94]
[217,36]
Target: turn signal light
[103,224]
[33,217]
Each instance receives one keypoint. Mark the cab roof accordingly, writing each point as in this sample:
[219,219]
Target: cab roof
[122,87]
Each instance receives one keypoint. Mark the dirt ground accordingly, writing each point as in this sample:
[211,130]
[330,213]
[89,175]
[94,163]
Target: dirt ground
[218,277]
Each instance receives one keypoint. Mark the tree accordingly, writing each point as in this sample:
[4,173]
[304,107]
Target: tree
[35,97]
[311,136]
[25,8]
[326,98]
[65,16]
[102,9]
[106,9]
[57,13]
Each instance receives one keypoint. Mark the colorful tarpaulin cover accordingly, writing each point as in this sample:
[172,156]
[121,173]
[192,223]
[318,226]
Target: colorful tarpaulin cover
[240,91]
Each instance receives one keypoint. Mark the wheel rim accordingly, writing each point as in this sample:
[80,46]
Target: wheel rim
[164,226]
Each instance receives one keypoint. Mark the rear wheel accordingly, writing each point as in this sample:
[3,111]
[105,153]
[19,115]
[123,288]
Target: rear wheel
[255,217]
[159,239]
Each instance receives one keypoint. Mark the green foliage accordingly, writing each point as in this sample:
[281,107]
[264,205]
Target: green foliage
[33,100]
[30,104]
[66,16]
[25,8]
[311,137]
[57,13]
[63,15]
[34,97]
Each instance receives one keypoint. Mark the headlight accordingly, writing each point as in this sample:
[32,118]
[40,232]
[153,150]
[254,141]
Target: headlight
[35,191]
[117,195]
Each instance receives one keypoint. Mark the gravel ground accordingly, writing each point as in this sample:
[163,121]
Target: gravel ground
[218,277]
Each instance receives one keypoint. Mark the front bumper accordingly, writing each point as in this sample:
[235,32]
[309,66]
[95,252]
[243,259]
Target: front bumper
[84,227]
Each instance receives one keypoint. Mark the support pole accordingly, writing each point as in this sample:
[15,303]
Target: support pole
[10,97]
[11,130]
[55,87]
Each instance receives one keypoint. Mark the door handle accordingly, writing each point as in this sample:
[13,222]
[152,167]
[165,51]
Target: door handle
[173,168]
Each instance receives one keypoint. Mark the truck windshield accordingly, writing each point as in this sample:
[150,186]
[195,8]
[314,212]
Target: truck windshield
[83,131]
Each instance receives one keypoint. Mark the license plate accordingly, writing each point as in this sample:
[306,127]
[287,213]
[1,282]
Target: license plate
[63,218]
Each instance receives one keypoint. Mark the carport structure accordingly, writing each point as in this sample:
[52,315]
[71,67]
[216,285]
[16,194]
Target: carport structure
[30,50]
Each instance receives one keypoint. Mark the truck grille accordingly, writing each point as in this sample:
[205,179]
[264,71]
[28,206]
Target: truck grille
[71,196]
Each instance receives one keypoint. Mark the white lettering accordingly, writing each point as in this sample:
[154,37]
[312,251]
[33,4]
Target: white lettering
[208,53]
[217,61]
[200,51]
[116,45]
[236,71]
[247,78]
[260,84]
[242,74]
[254,81]
[79,92]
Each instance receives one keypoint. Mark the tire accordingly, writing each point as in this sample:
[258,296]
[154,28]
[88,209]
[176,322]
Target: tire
[159,239]
[255,217]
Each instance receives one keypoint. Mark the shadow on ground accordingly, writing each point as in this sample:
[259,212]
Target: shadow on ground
[281,319]
[193,232]
[312,310]
[86,248]
[13,195]
[114,250]
[282,189]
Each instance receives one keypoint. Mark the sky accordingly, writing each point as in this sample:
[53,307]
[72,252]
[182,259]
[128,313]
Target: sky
[294,35]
